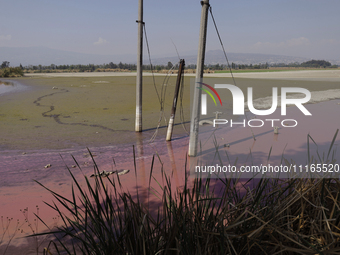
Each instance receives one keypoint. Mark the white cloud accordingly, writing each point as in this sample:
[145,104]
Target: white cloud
[5,37]
[100,41]
[330,41]
[294,42]
[301,41]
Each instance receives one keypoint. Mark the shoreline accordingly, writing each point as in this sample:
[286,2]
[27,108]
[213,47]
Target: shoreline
[329,75]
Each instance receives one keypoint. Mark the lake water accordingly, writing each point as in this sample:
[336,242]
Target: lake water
[6,87]
[18,168]
[9,86]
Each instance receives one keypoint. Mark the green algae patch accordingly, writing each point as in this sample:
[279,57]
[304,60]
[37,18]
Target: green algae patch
[58,113]
[66,112]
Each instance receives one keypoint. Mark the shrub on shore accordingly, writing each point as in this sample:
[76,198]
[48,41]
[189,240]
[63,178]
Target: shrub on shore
[11,72]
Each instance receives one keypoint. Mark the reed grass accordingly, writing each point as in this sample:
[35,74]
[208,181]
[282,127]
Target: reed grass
[8,232]
[208,216]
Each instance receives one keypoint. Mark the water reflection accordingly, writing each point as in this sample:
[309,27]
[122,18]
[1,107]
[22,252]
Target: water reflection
[6,86]
[140,168]
[6,83]
[173,163]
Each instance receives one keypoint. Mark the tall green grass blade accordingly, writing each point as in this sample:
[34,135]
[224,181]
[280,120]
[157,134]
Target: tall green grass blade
[332,143]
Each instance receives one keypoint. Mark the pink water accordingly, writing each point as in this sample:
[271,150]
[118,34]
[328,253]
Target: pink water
[19,169]
[290,143]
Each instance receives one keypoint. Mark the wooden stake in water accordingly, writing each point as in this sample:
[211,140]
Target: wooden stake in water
[174,104]
[196,110]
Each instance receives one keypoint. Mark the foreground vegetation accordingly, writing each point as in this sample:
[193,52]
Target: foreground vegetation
[208,216]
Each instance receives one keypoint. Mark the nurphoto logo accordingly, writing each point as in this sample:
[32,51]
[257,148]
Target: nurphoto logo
[239,104]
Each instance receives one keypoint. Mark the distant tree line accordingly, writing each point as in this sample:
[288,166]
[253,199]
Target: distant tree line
[310,64]
[237,66]
[316,63]
[80,68]
[96,68]
[7,71]
[250,66]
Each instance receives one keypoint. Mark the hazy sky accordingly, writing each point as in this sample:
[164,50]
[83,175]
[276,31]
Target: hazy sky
[305,28]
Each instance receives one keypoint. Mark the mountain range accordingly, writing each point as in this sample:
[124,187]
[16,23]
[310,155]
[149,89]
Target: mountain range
[46,56]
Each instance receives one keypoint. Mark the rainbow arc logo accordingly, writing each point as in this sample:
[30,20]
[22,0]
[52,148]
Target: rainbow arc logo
[204,97]
[208,92]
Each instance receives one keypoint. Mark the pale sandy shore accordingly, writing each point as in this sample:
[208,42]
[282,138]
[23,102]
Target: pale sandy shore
[327,75]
